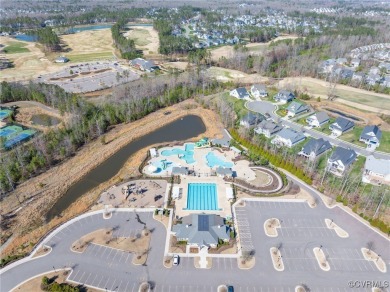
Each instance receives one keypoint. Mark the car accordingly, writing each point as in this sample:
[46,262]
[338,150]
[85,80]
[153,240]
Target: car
[230,288]
[175,260]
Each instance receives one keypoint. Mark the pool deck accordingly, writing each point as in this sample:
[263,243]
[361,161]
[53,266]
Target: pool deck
[200,166]
[221,185]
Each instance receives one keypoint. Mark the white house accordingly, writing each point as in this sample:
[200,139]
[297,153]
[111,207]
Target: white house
[240,93]
[340,126]
[268,128]
[340,160]
[259,91]
[295,108]
[371,135]
[251,120]
[318,119]
[288,137]
[376,171]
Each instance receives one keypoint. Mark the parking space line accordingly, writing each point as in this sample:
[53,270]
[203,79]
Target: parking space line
[81,278]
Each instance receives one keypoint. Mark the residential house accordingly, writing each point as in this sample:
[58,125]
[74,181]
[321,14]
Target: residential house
[314,148]
[240,93]
[340,126]
[355,62]
[386,81]
[284,96]
[385,66]
[372,79]
[259,91]
[62,59]
[341,61]
[371,135]
[288,137]
[374,71]
[144,65]
[224,172]
[202,230]
[327,66]
[251,120]
[376,171]
[340,160]
[318,119]
[295,108]
[268,128]
[358,76]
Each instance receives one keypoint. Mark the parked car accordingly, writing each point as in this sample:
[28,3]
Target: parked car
[175,260]
[230,288]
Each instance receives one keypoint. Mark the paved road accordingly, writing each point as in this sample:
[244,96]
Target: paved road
[264,107]
[302,229]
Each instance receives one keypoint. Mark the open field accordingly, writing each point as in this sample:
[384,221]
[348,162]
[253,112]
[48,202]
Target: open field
[225,75]
[15,47]
[27,65]
[359,98]
[254,48]
[88,45]
[146,39]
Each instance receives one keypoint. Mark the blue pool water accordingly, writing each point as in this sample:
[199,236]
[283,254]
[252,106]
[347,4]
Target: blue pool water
[163,165]
[202,196]
[214,160]
[187,154]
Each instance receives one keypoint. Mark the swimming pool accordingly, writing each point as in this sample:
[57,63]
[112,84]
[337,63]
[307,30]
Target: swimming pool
[187,154]
[163,165]
[202,196]
[214,160]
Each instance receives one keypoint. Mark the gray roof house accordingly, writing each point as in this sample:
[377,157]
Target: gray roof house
[373,79]
[340,160]
[284,96]
[251,120]
[315,147]
[376,171]
[355,62]
[259,90]
[202,230]
[268,128]
[296,108]
[371,135]
[144,65]
[318,119]
[223,171]
[288,137]
[179,170]
[240,93]
[341,125]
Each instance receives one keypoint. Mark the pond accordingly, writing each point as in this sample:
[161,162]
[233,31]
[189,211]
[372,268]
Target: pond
[44,120]
[183,129]
[351,117]
[26,38]
[77,29]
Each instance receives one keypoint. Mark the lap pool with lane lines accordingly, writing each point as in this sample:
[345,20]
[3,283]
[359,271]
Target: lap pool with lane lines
[202,196]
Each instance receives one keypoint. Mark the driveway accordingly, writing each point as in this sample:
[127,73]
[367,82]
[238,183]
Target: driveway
[264,107]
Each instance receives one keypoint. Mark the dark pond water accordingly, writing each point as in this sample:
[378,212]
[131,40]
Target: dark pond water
[183,129]
[344,115]
[44,120]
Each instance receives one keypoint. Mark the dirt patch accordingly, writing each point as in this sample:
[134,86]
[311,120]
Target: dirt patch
[277,259]
[163,219]
[34,284]
[270,227]
[44,250]
[174,247]
[45,189]
[321,259]
[138,245]
[370,255]
[339,231]
[246,264]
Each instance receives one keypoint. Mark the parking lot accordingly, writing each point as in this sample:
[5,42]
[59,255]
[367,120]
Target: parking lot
[92,76]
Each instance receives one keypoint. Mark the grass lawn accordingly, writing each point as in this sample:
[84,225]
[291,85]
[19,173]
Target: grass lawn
[238,104]
[90,57]
[15,48]
[353,136]
[356,168]
[140,36]
[282,110]
[385,142]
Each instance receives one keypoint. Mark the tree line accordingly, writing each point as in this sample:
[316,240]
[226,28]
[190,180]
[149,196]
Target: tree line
[124,45]
[88,122]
